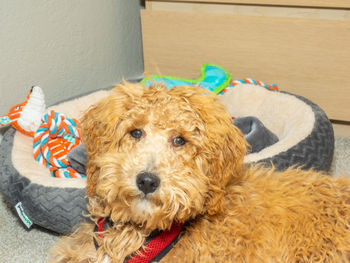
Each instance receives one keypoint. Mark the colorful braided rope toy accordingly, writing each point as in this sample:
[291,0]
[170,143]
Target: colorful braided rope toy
[54,134]
[249,81]
[54,138]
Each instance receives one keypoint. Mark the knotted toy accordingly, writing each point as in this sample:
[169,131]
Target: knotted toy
[254,82]
[53,140]
[54,134]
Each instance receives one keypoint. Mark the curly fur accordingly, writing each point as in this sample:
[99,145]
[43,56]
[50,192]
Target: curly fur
[234,213]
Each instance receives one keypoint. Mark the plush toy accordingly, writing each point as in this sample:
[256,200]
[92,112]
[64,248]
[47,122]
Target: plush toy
[26,116]
[213,78]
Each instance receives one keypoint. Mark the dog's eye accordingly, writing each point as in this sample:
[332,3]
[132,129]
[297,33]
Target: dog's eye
[179,141]
[137,134]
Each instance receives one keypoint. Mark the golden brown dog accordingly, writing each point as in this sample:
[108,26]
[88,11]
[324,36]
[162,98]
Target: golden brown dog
[160,158]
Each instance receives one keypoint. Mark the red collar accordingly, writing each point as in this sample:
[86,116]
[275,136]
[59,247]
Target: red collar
[157,244]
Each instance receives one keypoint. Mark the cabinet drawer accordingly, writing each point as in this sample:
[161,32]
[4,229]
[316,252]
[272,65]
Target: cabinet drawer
[309,57]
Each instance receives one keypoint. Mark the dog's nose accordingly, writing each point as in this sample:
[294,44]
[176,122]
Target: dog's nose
[147,182]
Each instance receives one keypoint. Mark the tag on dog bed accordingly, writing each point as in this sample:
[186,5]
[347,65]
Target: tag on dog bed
[22,215]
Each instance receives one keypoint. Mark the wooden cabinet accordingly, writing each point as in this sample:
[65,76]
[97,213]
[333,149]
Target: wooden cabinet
[302,46]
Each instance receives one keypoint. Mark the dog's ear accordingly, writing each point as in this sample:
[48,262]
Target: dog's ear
[99,126]
[224,147]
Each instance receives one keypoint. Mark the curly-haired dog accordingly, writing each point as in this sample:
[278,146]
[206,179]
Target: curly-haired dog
[170,160]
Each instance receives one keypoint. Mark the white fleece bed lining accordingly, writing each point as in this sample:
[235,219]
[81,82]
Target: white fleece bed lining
[291,119]
[286,116]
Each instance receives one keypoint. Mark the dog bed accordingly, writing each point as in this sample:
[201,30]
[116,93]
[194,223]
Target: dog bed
[305,134]
[305,137]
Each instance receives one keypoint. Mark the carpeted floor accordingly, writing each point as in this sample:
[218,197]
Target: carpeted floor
[18,245]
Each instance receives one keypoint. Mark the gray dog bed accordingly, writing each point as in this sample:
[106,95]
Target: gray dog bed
[304,136]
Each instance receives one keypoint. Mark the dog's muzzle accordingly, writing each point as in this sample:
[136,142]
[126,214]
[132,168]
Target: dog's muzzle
[147,182]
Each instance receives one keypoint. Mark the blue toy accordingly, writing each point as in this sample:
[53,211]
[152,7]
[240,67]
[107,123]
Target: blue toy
[213,78]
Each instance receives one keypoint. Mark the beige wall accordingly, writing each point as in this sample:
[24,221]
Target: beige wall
[68,47]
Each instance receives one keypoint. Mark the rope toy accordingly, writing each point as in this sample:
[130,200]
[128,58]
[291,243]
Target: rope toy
[249,81]
[54,138]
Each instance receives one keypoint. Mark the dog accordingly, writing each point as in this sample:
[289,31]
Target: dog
[169,163]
